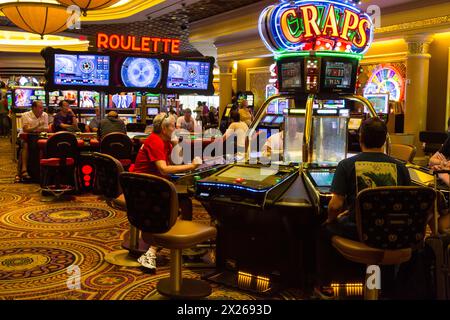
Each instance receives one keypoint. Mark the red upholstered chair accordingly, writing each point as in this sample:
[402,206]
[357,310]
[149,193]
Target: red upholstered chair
[57,168]
[119,146]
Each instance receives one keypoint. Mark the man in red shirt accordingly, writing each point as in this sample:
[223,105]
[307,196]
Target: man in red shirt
[154,158]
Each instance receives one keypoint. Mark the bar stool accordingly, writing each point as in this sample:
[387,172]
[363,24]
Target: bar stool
[391,223]
[61,153]
[118,145]
[152,207]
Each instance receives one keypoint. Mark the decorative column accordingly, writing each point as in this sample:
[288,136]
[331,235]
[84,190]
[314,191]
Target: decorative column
[226,87]
[417,73]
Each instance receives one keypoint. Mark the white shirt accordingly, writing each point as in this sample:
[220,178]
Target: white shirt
[182,124]
[30,120]
[276,143]
[240,129]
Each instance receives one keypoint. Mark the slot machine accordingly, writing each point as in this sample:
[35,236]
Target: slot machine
[270,202]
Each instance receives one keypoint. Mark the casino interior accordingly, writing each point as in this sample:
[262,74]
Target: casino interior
[248,223]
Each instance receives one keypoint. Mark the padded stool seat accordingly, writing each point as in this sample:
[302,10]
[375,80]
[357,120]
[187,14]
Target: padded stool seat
[56,162]
[184,234]
[361,253]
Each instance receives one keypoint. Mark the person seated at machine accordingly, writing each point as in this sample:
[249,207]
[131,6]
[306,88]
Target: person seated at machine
[111,124]
[34,121]
[275,143]
[154,157]
[65,119]
[371,168]
[95,122]
[238,128]
[186,122]
[441,161]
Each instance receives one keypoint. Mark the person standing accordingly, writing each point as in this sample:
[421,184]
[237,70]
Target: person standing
[186,122]
[244,112]
[4,122]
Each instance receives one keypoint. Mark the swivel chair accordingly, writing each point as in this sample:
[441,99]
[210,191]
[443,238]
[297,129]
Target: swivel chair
[404,152]
[152,207]
[391,223]
[118,145]
[61,154]
[107,184]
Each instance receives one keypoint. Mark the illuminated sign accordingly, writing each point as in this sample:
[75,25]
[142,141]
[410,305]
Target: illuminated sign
[315,25]
[138,44]
[386,79]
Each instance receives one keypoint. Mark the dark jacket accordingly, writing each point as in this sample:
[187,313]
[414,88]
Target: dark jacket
[110,125]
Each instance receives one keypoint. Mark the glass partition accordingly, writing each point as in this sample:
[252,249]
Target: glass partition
[329,140]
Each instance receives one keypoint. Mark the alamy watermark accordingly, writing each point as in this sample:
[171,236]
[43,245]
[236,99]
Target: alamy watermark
[74,280]
[74,20]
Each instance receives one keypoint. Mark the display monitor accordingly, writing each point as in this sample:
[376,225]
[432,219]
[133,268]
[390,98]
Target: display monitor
[354,123]
[89,99]
[278,120]
[268,119]
[81,70]
[24,97]
[272,108]
[152,111]
[322,179]
[122,100]
[71,96]
[338,75]
[282,104]
[152,99]
[291,75]
[248,173]
[188,75]
[54,97]
[379,101]
[140,72]
[421,177]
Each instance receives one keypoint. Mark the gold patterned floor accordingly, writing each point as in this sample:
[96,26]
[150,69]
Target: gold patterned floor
[45,246]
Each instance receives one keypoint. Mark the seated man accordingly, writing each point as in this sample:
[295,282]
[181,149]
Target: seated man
[440,161]
[111,124]
[186,122]
[34,121]
[240,129]
[371,168]
[95,122]
[65,119]
[275,143]
[154,157]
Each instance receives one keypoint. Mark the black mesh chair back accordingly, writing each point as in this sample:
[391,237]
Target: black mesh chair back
[152,202]
[432,140]
[62,145]
[118,145]
[108,170]
[392,218]
[136,127]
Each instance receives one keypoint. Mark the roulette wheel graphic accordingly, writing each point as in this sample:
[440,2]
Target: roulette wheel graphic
[141,72]
[192,72]
[386,80]
[86,66]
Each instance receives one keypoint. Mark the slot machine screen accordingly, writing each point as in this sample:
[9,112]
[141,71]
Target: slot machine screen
[272,108]
[23,98]
[81,70]
[322,179]
[380,102]
[354,123]
[54,97]
[152,99]
[89,99]
[247,173]
[268,119]
[291,75]
[71,97]
[188,75]
[278,120]
[122,101]
[282,104]
[338,75]
[139,72]
[152,111]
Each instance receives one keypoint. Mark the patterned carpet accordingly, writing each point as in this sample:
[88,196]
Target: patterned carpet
[41,242]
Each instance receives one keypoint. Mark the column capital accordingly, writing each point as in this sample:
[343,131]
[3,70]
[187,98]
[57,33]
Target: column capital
[418,44]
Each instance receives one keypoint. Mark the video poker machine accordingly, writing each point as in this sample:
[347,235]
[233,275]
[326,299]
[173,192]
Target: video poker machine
[268,209]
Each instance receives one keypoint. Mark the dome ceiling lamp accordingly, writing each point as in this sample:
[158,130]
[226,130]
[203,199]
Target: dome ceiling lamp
[41,17]
[86,5]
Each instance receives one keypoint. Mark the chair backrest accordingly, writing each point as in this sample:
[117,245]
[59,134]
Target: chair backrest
[404,152]
[393,218]
[118,145]
[433,137]
[152,202]
[136,127]
[108,170]
[62,145]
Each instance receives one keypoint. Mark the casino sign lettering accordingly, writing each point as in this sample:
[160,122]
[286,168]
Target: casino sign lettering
[315,25]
